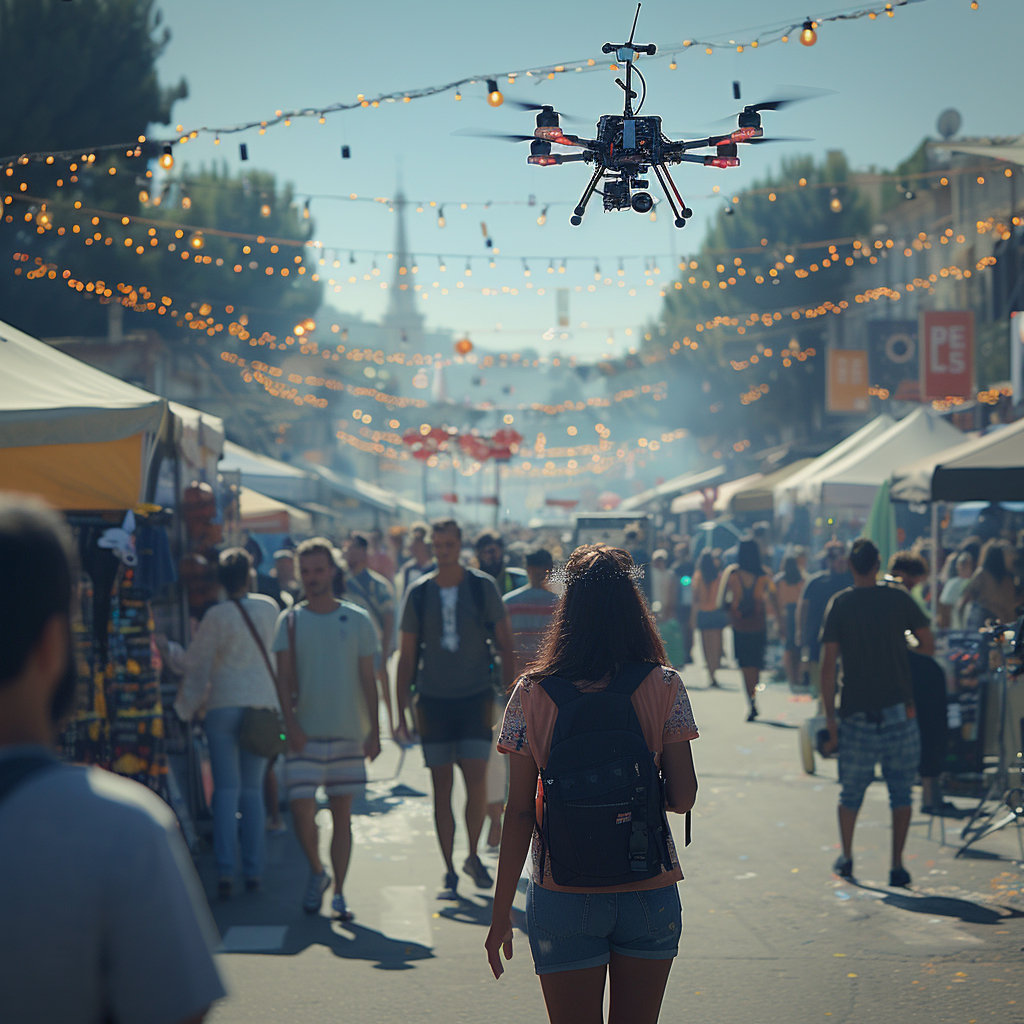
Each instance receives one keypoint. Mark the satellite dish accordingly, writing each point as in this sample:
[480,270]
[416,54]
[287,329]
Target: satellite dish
[949,123]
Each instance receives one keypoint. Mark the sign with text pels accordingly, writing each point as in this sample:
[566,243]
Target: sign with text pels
[847,380]
[947,354]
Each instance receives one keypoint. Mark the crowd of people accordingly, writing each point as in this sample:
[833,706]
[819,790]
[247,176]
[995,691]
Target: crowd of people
[508,673]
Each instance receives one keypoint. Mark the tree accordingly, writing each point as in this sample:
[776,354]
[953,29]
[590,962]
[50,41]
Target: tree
[749,261]
[81,76]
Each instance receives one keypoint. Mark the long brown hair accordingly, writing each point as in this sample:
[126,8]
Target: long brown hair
[601,622]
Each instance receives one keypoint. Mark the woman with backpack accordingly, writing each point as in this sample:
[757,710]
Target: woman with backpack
[607,729]
[708,617]
[748,591]
[789,585]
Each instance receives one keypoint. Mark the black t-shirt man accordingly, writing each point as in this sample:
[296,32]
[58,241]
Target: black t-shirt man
[869,624]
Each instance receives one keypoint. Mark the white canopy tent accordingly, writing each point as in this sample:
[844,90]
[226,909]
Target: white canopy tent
[850,483]
[260,514]
[269,476]
[785,492]
[80,438]
[988,468]
[679,485]
[694,500]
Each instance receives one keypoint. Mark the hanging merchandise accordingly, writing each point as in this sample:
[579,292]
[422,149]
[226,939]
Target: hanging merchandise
[133,688]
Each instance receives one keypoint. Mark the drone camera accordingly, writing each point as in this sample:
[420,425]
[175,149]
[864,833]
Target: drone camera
[642,202]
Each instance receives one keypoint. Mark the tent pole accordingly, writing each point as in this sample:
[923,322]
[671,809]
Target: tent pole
[934,589]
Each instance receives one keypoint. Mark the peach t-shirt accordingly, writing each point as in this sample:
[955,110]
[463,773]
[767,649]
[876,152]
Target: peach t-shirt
[663,708]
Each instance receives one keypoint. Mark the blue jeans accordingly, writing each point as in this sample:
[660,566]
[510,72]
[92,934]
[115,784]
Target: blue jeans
[571,931]
[237,786]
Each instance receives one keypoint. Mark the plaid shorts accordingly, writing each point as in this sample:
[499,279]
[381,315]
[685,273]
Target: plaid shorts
[337,765]
[891,739]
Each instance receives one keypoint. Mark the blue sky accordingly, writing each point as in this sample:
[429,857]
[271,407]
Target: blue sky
[245,59]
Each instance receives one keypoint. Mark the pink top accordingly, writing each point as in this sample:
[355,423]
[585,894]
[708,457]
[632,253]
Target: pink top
[663,708]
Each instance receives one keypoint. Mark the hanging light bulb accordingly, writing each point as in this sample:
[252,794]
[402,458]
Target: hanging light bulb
[551,266]
[807,34]
[196,240]
[597,271]
[469,269]
[166,158]
[305,210]
[526,269]
[561,269]
[494,96]
[265,210]
[835,204]
[351,257]
[441,265]
[543,218]
[440,217]
[186,200]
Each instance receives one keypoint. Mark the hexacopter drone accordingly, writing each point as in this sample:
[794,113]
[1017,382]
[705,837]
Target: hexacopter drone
[627,146]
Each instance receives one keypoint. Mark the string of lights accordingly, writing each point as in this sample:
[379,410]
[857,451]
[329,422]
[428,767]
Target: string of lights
[804,29]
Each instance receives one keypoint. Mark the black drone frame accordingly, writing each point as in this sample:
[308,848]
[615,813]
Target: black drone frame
[663,151]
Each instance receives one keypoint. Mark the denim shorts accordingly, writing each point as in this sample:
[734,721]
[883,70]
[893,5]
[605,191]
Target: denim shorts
[889,738]
[570,931]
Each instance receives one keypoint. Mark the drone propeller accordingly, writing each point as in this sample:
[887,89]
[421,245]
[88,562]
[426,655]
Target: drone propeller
[776,138]
[778,104]
[522,105]
[494,135]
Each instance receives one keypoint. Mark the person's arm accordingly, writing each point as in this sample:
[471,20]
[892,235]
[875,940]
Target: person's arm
[199,660]
[723,588]
[407,656]
[506,646]
[680,776]
[828,689]
[287,694]
[802,639]
[516,833]
[368,684]
[925,640]
[773,604]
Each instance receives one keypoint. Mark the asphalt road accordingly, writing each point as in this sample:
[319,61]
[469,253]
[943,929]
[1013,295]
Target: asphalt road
[770,935]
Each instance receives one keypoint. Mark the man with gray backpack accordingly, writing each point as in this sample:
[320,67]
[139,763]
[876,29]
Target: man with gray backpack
[453,628]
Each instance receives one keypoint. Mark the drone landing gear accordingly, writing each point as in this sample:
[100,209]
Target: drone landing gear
[581,207]
[680,211]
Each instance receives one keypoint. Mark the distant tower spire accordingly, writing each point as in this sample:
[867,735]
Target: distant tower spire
[402,322]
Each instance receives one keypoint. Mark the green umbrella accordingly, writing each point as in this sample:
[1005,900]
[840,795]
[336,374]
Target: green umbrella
[881,526]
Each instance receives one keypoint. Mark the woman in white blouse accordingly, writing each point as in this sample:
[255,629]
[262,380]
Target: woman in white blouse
[225,673]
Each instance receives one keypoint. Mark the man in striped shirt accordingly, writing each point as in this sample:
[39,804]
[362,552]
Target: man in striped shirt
[529,610]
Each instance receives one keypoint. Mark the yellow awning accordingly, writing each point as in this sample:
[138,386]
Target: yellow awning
[96,476]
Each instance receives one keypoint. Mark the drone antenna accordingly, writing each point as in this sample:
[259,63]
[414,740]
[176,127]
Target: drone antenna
[632,31]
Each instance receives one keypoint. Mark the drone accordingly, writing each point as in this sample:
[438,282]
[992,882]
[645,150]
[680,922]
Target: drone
[628,147]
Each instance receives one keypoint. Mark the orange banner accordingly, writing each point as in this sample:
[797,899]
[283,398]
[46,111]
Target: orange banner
[847,381]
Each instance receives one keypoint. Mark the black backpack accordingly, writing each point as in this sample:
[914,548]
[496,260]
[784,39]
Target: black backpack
[746,608]
[604,800]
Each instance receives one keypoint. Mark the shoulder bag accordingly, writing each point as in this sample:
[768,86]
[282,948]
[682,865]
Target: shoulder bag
[262,729]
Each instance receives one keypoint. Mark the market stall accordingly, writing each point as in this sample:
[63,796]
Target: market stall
[262,514]
[76,436]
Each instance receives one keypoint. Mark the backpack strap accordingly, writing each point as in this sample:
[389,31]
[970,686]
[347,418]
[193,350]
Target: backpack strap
[418,596]
[561,691]
[476,588]
[629,677]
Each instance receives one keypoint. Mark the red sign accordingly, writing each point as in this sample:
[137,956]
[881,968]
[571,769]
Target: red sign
[947,354]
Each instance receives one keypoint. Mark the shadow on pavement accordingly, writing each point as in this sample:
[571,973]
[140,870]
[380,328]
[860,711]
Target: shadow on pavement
[468,911]
[353,941]
[945,906]
[774,724]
